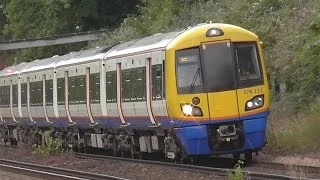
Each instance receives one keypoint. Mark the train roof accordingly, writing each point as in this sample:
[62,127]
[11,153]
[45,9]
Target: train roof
[157,41]
[82,56]
[12,70]
[55,61]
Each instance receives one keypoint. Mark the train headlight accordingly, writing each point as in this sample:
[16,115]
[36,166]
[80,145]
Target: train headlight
[187,109]
[255,102]
[191,110]
[212,32]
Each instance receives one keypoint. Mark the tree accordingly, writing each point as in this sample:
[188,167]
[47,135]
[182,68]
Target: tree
[34,19]
[2,18]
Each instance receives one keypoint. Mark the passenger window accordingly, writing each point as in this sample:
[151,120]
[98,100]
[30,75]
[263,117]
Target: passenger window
[127,86]
[95,88]
[49,92]
[36,94]
[73,90]
[111,86]
[61,91]
[134,74]
[5,96]
[163,80]
[33,99]
[141,84]
[24,95]
[157,82]
[77,89]
[14,95]
[82,95]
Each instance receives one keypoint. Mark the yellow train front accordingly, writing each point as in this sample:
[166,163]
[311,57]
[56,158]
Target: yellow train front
[217,90]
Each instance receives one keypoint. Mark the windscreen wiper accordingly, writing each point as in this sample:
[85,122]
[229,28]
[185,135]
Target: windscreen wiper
[195,77]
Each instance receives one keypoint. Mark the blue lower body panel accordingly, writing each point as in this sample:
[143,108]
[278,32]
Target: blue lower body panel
[195,139]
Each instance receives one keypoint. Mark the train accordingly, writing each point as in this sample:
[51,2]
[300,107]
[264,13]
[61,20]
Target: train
[200,91]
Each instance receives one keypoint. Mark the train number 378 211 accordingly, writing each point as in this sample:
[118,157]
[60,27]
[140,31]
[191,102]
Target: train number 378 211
[253,91]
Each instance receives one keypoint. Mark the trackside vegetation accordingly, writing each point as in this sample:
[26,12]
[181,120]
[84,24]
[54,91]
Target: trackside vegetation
[48,147]
[289,29]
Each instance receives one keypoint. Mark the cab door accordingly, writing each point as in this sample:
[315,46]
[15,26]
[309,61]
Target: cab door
[220,80]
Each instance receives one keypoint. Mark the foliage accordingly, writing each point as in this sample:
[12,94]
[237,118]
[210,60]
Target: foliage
[34,19]
[238,174]
[48,147]
[2,19]
[298,133]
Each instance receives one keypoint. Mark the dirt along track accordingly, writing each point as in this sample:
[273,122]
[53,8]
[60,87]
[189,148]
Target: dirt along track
[216,168]
[271,170]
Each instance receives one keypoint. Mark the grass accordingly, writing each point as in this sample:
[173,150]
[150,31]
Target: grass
[238,174]
[299,132]
[48,147]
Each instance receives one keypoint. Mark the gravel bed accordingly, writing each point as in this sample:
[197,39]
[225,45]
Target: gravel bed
[285,157]
[115,168]
[140,171]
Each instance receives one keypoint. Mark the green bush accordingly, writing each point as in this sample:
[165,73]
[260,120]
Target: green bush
[298,133]
[48,147]
[238,174]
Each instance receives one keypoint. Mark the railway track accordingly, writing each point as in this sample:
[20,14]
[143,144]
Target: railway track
[280,166]
[203,169]
[46,172]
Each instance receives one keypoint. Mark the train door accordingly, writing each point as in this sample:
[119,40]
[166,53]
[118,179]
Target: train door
[220,82]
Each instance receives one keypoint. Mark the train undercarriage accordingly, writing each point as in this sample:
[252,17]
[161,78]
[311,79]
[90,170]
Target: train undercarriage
[122,142]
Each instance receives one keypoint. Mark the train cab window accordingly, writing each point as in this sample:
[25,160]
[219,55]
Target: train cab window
[95,88]
[61,91]
[14,95]
[111,86]
[218,67]
[188,71]
[248,62]
[157,82]
[49,92]
[24,95]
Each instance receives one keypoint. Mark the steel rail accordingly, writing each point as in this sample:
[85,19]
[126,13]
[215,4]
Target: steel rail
[281,166]
[193,168]
[48,172]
